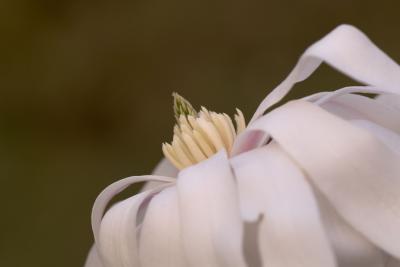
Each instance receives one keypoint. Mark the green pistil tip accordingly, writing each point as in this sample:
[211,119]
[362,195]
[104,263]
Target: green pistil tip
[182,107]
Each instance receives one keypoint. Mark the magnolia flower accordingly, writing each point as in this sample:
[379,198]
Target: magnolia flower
[314,182]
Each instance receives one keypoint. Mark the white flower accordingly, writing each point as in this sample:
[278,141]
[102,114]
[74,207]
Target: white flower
[314,182]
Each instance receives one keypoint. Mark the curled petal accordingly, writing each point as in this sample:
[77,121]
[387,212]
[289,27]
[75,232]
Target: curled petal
[93,258]
[212,229]
[163,168]
[117,243]
[161,232]
[348,50]
[392,100]
[108,193]
[358,174]
[112,190]
[386,136]
[356,107]
[291,232]
[351,248]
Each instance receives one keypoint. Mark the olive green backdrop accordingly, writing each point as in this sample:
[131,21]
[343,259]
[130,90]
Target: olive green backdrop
[85,94]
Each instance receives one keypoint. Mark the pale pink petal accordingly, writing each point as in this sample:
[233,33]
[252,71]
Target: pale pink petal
[392,100]
[163,168]
[93,259]
[118,236]
[112,190]
[356,172]
[273,187]
[356,107]
[392,262]
[351,248]
[108,193]
[212,229]
[386,136]
[160,236]
[349,51]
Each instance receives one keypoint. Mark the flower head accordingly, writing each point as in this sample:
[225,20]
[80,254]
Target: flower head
[314,182]
[199,135]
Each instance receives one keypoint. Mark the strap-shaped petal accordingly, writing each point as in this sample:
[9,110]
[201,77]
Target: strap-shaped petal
[358,174]
[163,168]
[117,242]
[291,232]
[392,262]
[212,229]
[112,190]
[351,248]
[93,258]
[392,100]
[348,50]
[105,197]
[160,236]
[356,107]
[386,136]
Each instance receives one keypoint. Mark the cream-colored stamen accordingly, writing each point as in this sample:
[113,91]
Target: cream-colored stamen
[199,135]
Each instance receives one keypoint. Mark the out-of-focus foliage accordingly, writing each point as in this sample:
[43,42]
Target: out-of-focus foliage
[86,94]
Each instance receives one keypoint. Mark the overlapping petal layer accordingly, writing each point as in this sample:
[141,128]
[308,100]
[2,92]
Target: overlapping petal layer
[319,184]
[211,223]
[356,172]
[272,187]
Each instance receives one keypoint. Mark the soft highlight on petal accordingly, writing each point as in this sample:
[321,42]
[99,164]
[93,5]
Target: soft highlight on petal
[273,187]
[356,172]
[211,225]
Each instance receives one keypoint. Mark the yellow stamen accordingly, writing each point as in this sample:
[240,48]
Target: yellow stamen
[198,136]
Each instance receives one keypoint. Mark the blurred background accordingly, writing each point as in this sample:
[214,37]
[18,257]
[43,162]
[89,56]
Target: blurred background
[85,94]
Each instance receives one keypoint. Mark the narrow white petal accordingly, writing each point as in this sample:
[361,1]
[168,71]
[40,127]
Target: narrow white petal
[348,50]
[163,168]
[291,232]
[392,100]
[210,217]
[93,258]
[356,107]
[118,234]
[351,248]
[357,173]
[160,238]
[386,136]
[112,190]
[392,262]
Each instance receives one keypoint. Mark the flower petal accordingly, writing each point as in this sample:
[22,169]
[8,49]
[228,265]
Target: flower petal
[93,259]
[392,262]
[348,50]
[358,174]
[386,136]
[104,198]
[356,107]
[212,229]
[113,189]
[291,232]
[118,234]
[161,232]
[392,100]
[163,168]
[351,248]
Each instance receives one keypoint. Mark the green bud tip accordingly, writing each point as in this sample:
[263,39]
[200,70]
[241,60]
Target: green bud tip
[182,107]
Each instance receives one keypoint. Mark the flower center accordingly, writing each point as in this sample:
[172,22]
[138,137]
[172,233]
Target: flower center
[199,135]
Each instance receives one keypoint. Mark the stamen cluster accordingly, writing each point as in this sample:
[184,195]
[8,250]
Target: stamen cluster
[197,136]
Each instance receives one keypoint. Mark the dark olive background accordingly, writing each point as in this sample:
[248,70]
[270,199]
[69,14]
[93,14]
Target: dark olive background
[85,94]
